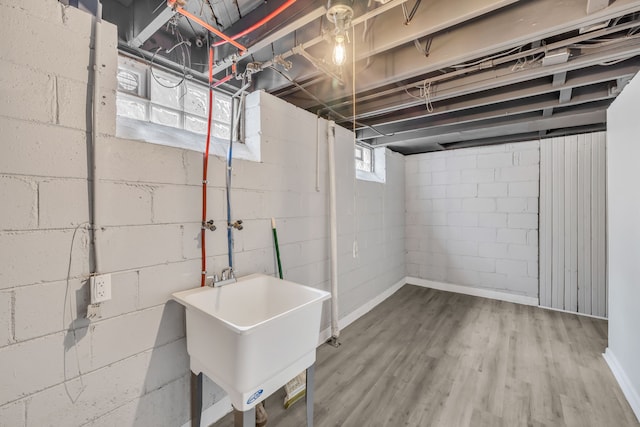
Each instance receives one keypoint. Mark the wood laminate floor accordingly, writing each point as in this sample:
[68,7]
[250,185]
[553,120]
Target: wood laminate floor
[431,358]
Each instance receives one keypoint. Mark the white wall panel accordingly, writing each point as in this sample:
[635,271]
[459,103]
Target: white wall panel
[623,175]
[572,223]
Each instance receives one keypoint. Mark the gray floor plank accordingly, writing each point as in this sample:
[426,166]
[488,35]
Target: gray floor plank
[432,358]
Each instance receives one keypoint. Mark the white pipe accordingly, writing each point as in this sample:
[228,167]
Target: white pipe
[333,225]
[317,155]
[94,138]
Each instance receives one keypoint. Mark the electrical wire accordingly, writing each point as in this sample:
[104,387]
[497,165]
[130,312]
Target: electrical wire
[425,95]
[187,42]
[324,104]
[186,60]
[490,58]
[525,62]
[71,328]
[408,16]
[202,23]
[603,42]
[157,79]
[616,61]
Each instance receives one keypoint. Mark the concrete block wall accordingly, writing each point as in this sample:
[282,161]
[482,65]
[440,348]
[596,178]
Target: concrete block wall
[371,224]
[472,217]
[131,366]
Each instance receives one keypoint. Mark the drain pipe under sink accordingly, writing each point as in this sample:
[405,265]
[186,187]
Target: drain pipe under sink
[333,226]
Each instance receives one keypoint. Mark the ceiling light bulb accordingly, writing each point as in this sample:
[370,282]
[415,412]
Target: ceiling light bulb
[339,52]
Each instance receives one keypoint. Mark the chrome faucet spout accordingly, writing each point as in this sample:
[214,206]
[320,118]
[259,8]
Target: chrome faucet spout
[226,277]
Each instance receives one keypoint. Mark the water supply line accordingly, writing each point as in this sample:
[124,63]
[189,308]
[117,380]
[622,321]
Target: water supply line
[260,23]
[235,118]
[175,5]
[228,187]
[206,225]
[333,226]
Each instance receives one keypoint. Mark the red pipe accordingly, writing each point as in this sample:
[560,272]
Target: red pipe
[194,18]
[227,78]
[223,80]
[258,24]
[205,167]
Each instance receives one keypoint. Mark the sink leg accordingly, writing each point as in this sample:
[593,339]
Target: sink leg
[196,399]
[245,419]
[309,394]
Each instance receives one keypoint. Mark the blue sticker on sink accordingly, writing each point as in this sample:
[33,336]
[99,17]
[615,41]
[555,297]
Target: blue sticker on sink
[254,396]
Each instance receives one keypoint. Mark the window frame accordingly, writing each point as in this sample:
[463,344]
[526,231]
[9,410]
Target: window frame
[378,164]
[182,136]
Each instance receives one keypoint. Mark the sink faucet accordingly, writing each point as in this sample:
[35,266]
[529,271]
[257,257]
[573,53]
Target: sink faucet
[226,277]
[227,273]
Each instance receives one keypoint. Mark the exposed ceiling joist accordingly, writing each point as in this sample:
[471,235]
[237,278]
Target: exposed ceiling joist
[525,124]
[156,23]
[596,5]
[487,76]
[492,79]
[415,117]
[501,110]
[479,38]
[266,40]
[494,114]
[501,60]
[431,17]
[565,95]
[559,78]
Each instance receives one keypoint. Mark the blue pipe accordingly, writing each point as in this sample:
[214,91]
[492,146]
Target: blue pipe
[229,162]
[228,182]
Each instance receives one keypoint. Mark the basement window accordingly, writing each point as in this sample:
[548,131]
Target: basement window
[363,158]
[160,107]
[370,163]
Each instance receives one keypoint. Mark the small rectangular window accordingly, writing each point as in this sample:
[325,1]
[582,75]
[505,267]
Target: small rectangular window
[370,163]
[364,158]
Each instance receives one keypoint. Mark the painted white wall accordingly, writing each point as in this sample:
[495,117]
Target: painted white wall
[623,176]
[133,361]
[472,217]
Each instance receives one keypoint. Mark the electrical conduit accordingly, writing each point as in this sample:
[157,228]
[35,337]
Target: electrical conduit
[333,225]
[94,138]
[205,168]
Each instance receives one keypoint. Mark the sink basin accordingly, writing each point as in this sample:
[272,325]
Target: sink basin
[253,336]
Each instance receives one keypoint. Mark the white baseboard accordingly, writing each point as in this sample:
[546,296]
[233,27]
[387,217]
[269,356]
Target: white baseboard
[214,413]
[573,312]
[477,292]
[364,309]
[632,395]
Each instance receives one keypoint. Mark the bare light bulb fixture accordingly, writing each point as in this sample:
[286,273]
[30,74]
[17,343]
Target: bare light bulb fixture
[339,51]
[340,13]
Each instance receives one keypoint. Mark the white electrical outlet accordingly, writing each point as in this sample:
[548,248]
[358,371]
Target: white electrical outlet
[100,288]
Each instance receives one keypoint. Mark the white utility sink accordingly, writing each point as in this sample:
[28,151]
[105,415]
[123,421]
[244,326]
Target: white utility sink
[253,336]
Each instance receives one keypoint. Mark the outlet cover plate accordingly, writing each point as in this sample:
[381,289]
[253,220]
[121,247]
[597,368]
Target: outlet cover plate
[100,288]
